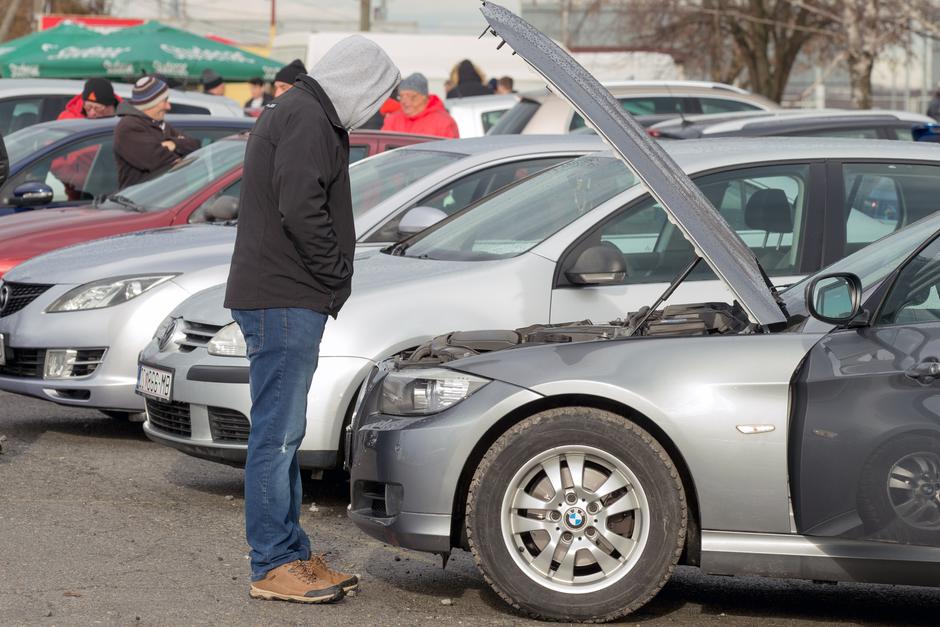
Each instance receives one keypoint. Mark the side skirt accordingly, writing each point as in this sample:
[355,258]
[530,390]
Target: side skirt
[823,559]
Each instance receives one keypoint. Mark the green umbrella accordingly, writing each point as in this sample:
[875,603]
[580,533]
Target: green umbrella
[145,49]
[41,42]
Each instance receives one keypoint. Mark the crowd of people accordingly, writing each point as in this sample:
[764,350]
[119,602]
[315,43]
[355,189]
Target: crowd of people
[145,144]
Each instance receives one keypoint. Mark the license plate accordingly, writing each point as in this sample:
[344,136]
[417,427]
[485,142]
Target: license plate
[3,352]
[154,383]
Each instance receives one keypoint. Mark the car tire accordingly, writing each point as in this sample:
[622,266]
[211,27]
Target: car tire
[899,491]
[591,443]
[125,415]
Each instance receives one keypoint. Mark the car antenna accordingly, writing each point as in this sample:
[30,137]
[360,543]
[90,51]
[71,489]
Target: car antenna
[669,290]
[683,121]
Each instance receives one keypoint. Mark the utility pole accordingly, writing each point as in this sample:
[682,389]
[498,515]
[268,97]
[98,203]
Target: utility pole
[272,30]
[365,14]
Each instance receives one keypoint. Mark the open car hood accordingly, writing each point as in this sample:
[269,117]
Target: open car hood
[711,237]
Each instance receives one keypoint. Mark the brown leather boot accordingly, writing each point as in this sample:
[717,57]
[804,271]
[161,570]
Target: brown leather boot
[296,581]
[319,566]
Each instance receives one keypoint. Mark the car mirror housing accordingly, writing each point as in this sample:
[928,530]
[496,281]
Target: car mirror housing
[417,219]
[31,194]
[598,265]
[834,298]
[222,209]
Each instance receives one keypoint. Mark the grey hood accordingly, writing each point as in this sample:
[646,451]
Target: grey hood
[358,77]
[711,237]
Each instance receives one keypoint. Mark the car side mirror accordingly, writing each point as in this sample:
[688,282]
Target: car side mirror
[31,194]
[417,219]
[834,298]
[598,265]
[222,209]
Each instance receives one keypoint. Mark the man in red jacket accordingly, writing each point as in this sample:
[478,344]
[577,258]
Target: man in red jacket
[420,113]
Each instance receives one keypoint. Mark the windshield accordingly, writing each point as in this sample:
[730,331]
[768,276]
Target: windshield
[25,142]
[190,175]
[872,263]
[373,180]
[514,221]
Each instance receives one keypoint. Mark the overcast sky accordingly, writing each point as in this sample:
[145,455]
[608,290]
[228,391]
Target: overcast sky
[431,15]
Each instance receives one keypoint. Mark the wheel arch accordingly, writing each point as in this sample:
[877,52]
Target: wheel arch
[692,550]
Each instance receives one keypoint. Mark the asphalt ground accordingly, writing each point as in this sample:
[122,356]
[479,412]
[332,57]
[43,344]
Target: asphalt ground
[100,526]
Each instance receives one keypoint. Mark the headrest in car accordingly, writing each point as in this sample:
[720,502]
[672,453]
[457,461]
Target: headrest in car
[769,210]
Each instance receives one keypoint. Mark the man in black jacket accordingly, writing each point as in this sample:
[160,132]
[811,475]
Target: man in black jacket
[144,143]
[291,269]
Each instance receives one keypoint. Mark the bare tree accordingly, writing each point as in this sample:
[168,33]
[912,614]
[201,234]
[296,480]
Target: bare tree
[22,18]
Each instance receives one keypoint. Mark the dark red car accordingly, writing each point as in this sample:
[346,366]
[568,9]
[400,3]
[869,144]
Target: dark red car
[203,187]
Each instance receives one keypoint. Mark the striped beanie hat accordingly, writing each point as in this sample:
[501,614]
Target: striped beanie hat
[148,91]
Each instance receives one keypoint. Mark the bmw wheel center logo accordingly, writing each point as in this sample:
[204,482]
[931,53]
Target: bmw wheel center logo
[575,518]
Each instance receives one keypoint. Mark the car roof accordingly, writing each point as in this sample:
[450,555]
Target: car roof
[512,144]
[77,125]
[777,119]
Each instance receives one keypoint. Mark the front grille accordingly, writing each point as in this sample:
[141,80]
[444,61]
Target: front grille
[196,335]
[15,296]
[24,362]
[228,425]
[30,362]
[172,417]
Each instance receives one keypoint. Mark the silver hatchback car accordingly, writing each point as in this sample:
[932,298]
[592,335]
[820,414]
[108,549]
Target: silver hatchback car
[787,435]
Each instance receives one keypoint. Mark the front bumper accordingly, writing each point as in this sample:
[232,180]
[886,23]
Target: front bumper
[208,416]
[405,473]
[121,331]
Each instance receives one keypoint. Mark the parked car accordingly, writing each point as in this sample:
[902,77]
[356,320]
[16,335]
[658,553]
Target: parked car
[38,153]
[475,115]
[95,305]
[505,262]
[650,101]
[203,187]
[786,435]
[4,162]
[28,101]
[864,124]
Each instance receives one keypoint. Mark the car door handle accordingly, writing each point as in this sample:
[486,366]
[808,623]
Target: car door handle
[925,371]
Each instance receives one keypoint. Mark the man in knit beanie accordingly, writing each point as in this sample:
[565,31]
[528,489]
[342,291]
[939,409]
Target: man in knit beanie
[291,270]
[420,113]
[145,145]
[285,77]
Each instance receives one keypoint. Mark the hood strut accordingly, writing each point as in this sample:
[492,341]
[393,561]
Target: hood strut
[669,290]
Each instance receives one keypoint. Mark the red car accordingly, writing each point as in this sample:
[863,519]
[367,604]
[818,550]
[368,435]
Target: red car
[203,187]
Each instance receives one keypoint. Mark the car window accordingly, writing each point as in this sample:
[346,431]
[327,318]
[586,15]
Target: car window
[490,118]
[721,105]
[358,152]
[375,179]
[915,295]
[27,141]
[77,171]
[464,191]
[207,135]
[521,217]
[516,118]
[220,207]
[765,206]
[18,113]
[880,198]
[645,105]
[905,133]
[189,109]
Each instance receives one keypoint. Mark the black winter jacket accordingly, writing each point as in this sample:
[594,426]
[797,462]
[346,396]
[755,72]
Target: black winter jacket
[469,83]
[296,236]
[137,150]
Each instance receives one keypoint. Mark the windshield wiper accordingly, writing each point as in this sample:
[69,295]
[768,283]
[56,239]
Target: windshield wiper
[124,201]
[398,249]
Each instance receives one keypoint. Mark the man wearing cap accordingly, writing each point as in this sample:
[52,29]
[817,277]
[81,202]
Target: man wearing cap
[97,100]
[291,270]
[420,113]
[285,77]
[144,143]
[212,82]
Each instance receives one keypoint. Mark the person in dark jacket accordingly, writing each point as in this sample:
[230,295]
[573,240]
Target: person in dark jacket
[291,269]
[933,107]
[469,82]
[259,97]
[212,82]
[144,143]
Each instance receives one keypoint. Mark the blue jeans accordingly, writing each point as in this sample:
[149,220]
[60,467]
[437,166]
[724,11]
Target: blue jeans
[283,346]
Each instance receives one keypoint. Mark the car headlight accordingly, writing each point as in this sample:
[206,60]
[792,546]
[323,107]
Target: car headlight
[106,293]
[420,392]
[228,342]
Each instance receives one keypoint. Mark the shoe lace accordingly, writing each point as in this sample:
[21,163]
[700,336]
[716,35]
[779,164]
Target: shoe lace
[305,571]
